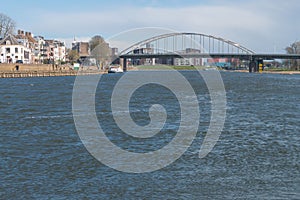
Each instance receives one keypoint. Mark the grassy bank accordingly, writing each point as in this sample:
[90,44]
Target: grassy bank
[279,70]
[167,67]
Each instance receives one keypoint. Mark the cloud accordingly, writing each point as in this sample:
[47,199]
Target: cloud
[257,24]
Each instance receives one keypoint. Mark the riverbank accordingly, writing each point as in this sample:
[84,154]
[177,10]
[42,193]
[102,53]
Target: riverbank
[164,67]
[23,70]
[15,70]
[282,72]
[271,72]
[167,67]
[46,73]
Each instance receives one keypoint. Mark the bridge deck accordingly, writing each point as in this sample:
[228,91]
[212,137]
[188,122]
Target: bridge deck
[214,55]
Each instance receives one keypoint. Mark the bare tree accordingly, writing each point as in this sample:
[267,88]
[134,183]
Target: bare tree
[73,56]
[100,50]
[7,25]
[293,49]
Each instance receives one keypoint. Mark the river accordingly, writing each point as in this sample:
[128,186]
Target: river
[256,157]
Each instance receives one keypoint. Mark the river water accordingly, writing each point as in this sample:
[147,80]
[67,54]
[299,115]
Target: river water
[256,157]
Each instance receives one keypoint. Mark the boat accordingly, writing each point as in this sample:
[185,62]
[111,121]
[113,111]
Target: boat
[115,69]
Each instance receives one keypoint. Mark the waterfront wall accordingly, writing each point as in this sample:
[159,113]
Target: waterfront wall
[25,74]
[16,67]
[36,74]
[31,70]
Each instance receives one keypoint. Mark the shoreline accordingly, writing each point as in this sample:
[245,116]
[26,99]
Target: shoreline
[166,68]
[283,72]
[269,72]
[16,70]
[29,74]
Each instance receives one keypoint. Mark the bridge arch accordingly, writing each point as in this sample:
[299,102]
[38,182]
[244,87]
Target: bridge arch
[185,43]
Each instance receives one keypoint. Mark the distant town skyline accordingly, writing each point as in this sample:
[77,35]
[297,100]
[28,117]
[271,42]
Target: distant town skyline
[261,25]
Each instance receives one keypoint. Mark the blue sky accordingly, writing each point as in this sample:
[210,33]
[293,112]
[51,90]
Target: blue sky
[261,25]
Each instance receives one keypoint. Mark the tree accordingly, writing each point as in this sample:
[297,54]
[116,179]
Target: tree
[100,50]
[7,25]
[73,56]
[293,49]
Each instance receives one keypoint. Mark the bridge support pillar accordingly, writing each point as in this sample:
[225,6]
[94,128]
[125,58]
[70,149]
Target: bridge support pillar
[124,64]
[252,66]
[256,65]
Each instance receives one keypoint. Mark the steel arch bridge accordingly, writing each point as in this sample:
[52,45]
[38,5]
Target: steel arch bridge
[195,45]
[182,43]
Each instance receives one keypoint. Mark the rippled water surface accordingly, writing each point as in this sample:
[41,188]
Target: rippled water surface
[257,156]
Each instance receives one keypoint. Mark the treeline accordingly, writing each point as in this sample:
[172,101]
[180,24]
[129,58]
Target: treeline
[294,48]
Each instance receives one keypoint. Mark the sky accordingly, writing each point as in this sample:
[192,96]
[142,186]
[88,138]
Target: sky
[260,25]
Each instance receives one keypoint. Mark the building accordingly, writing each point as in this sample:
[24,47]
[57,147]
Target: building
[12,51]
[55,51]
[114,51]
[189,61]
[115,55]
[144,61]
[26,48]
[27,40]
[40,50]
[226,63]
[83,48]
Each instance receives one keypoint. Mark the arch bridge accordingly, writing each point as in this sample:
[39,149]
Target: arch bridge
[181,42]
[194,46]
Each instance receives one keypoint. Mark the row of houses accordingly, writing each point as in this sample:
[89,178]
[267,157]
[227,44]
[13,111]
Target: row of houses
[26,48]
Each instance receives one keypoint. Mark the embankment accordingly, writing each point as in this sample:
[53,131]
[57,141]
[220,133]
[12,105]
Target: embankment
[39,70]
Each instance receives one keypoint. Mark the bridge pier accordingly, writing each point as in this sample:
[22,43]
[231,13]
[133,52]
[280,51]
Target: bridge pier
[256,65]
[124,64]
[252,66]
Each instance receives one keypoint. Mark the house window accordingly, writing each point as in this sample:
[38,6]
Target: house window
[7,50]
[8,42]
[21,50]
[26,54]
[16,50]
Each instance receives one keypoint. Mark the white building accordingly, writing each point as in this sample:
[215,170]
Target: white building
[26,39]
[59,51]
[12,51]
[56,50]
[40,50]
